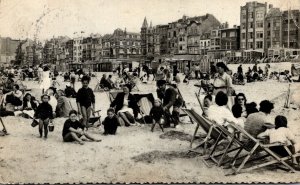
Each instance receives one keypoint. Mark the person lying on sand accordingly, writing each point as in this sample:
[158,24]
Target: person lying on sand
[73,130]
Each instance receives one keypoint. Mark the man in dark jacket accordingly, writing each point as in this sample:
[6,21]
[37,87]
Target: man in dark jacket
[168,97]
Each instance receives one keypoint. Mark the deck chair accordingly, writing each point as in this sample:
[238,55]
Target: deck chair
[208,126]
[100,88]
[253,146]
[145,103]
[92,120]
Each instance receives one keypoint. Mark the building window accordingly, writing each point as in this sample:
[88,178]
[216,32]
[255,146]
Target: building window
[223,34]
[243,35]
[251,35]
[180,48]
[259,45]
[259,24]
[251,15]
[243,25]
[243,16]
[259,34]
[250,24]
[250,45]
[259,14]
[232,34]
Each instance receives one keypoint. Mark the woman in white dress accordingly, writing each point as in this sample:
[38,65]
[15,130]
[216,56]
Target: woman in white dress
[46,80]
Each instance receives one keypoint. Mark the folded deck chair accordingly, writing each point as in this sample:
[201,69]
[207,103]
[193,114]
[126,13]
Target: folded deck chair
[208,127]
[253,146]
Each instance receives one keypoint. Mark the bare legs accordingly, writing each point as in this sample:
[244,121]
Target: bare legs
[43,123]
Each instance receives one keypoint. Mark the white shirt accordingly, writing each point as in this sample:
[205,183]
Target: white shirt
[281,135]
[220,115]
[53,103]
[223,81]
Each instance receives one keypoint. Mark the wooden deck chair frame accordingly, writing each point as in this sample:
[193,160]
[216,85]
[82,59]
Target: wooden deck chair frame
[183,105]
[92,119]
[208,127]
[258,147]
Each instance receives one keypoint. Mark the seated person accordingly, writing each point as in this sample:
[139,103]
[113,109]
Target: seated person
[105,83]
[109,79]
[73,130]
[220,114]
[29,105]
[70,91]
[63,104]
[126,106]
[241,107]
[207,102]
[281,134]
[14,97]
[258,122]
[111,122]
[8,85]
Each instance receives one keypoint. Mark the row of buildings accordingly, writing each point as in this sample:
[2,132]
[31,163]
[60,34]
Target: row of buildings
[264,31]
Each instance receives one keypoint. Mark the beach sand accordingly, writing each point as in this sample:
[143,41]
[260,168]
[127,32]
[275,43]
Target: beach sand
[133,155]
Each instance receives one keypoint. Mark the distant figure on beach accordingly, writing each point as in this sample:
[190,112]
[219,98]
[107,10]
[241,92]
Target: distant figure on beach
[46,80]
[222,81]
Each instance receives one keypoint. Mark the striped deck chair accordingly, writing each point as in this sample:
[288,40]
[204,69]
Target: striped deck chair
[252,147]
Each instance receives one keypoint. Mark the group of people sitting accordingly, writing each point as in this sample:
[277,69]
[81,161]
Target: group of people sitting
[257,123]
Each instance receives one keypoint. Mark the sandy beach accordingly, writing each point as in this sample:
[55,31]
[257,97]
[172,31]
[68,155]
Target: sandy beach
[135,154]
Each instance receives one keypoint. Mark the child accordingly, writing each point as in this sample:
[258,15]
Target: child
[111,122]
[281,134]
[73,130]
[207,102]
[45,114]
[157,113]
[85,100]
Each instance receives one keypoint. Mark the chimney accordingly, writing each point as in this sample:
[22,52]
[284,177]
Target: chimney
[270,6]
[234,26]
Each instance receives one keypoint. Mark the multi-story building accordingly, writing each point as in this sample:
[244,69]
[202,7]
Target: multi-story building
[181,37]
[252,26]
[204,43]
[230,38]
[77,49]
[273,32]
[8,49]
[69,50]
[291,29]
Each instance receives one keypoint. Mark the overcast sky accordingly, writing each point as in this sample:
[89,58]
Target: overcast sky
[47,18]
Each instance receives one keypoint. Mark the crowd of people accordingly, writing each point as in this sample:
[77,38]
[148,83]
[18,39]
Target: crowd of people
[124,109]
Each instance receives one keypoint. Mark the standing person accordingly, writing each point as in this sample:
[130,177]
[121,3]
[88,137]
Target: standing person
[110,123]
[30,73]
[40,73]
[85,100]
[254,69]
[175,72]
[197,71]
[46,81]
[73,130]
[72,79]
[45,115]
[157,114]
[240,69]
[222,81]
